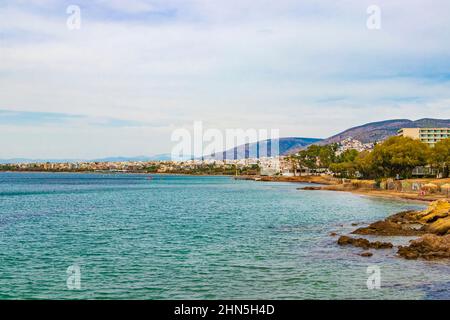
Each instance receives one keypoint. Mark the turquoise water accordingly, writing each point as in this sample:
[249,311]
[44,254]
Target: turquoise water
[182,237]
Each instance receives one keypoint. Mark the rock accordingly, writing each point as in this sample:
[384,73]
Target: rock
[435,219]
[366,254]
[433,224]
[429,247]
[436,210]
[388,228]
[381,245]
[354,224]
[440,226]
[310,188]
[333,234]
[346,240]
[403,217]
[363,243]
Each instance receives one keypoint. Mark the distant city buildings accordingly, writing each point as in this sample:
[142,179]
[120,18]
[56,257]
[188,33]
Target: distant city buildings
[353,144]
[271,166]
[266,166]
[209,166]
[427,135]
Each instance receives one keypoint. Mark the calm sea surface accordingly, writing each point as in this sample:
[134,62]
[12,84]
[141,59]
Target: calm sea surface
[180,237]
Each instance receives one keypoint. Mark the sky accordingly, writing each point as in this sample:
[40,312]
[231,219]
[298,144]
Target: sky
[137,70]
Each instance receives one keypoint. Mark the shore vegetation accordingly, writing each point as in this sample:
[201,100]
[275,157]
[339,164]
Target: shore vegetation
[396,157]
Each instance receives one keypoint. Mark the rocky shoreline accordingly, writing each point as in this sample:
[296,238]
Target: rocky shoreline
[431,226]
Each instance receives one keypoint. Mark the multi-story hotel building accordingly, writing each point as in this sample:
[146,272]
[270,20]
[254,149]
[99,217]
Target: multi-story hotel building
[426,135]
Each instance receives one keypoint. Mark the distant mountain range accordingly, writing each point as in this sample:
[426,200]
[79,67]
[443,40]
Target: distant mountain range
[286,146]
[370,132]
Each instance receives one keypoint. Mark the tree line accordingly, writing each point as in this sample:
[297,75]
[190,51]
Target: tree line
[395,157]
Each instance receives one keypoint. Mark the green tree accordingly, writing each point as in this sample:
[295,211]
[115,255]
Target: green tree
[344,169]
[327,155]
[347,156]
[440,156]
[308,158]
[364,164]
[294,161]
[316,156]
[399,156]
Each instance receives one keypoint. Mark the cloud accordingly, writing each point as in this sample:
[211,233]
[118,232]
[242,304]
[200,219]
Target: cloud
[40,119]
[309,68]
[129,6]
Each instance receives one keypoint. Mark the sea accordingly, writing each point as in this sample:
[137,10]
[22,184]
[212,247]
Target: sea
[140,236]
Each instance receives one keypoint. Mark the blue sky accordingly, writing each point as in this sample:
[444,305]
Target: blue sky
[137,70]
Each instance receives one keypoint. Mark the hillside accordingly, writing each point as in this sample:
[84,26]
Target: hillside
[376,131]
[286,146]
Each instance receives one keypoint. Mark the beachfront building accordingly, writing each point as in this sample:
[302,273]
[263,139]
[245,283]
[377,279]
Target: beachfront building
[426,135]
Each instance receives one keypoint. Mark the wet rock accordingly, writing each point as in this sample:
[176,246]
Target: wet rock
[428,247]
[388,228]
[380,245]
[363,243]
[366,254]
[346,240]
[310,188]
[403,217]
[333,234]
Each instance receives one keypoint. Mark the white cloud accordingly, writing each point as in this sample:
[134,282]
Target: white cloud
[129,6]
[310,68]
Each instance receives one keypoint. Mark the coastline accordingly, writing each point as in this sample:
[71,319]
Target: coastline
[326,183]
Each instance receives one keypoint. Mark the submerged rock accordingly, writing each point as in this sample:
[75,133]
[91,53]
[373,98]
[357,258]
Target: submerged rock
[388,228]
[310,188]
[363,243]
[429,247]
[366,254]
